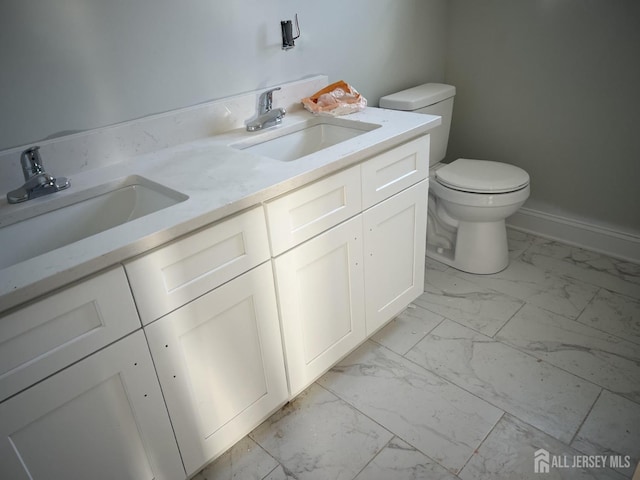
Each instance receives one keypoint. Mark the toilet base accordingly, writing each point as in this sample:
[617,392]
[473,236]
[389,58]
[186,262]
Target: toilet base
[479,248]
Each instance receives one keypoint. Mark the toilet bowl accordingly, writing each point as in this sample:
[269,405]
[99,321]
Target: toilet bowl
[469,199]
[468,227]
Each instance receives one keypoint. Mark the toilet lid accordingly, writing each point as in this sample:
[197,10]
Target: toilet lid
[482,176]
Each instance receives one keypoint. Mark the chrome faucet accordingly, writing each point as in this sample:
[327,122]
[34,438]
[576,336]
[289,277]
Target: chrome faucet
[37,182]
[266,116]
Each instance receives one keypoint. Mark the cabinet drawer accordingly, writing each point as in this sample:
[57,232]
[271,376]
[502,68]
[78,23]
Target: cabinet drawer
[49,334]
[310,210]
[175,274]
[393,171]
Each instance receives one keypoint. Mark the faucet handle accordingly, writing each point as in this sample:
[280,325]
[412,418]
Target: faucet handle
[266,100]
[31,162]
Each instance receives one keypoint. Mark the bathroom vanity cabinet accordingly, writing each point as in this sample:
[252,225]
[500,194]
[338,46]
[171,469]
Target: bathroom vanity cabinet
[350,277]
[229,323]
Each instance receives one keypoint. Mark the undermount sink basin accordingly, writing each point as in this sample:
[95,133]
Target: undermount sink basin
[297,141]
[90,212]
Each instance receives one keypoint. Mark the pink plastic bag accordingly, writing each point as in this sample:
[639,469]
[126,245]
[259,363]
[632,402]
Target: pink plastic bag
[336,99]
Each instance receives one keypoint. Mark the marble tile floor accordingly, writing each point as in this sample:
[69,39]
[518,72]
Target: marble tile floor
[472,379]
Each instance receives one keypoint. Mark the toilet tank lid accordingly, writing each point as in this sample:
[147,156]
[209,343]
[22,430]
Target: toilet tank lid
[418,97]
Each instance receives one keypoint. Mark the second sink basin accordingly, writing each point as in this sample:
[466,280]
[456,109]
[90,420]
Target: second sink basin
[291,143]
[92,212]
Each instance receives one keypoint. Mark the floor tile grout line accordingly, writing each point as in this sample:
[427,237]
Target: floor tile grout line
[482,441]
[508,320]
[265,450]
[573,438]
[588,303]
[417,342]
[469,326]
[626,296]
[351,405]
[377,453]
[600,329]
[273,469]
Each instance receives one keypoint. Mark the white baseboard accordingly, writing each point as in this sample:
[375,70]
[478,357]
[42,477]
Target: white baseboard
[620,245]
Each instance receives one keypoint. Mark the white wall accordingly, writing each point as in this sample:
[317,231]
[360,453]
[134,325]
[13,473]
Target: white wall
[552,86]
[72,65]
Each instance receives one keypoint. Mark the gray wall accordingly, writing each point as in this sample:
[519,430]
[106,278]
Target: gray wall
[72,65]
[552,86]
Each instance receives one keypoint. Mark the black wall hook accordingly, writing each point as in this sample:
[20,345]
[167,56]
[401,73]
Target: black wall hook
[287,33]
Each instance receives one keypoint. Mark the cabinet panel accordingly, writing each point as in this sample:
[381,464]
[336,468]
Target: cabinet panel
[50,334]
[310,210]
[175,274]
[220,364]
[321,295]
[394,241]
[102,418]
[394,170]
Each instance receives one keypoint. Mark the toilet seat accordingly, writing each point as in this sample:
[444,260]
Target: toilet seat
[482,176]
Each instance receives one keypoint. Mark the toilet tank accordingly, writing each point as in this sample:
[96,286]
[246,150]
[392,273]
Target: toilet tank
[431,98]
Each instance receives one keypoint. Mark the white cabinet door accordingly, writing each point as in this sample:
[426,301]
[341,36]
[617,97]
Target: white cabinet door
[394,242]
[219,360]
[321,296]
[102,418]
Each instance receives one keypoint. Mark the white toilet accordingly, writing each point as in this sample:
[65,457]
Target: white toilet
[469,200]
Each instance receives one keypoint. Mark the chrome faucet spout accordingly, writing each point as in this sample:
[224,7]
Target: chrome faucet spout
[31,162]
[265,102]
[267,116]
[37,181]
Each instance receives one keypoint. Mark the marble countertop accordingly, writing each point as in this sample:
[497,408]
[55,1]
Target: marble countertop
[219,181]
